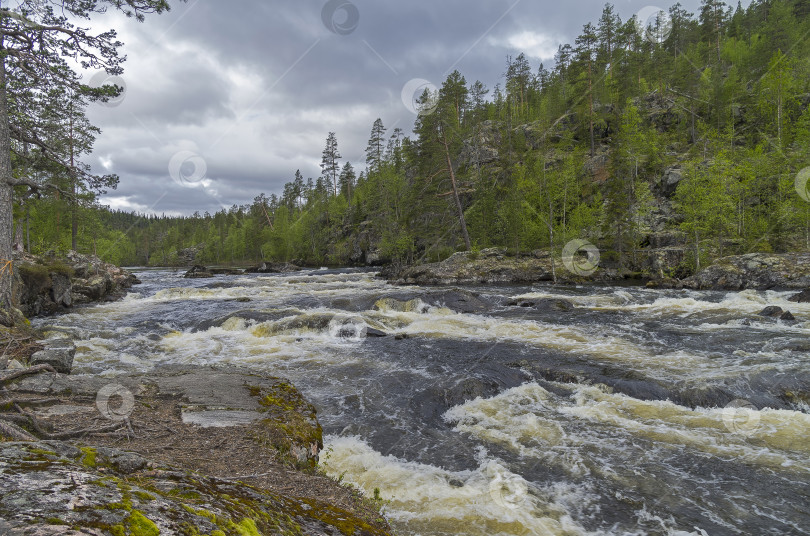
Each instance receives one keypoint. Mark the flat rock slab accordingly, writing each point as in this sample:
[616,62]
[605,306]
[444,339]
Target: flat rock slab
[202,387]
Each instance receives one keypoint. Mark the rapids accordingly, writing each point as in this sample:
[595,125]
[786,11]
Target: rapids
[588,410]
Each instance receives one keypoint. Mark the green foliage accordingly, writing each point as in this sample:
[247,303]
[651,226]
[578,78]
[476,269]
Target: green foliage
[576,151]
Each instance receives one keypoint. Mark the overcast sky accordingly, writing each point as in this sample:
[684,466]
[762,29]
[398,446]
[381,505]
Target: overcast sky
[225,100]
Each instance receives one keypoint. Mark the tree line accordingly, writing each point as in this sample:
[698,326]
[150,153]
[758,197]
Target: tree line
[688,129]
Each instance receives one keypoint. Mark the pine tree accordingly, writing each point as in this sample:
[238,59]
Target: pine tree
[375,147]
[329,162]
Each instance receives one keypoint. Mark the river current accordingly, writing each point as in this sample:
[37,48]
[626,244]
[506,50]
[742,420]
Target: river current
[520,410]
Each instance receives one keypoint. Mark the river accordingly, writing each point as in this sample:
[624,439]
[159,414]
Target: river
[588,410]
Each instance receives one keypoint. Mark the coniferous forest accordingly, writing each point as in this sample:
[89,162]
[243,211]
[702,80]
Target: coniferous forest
[690,132]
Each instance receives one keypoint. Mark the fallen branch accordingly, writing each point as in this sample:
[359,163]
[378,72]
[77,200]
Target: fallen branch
[15,432]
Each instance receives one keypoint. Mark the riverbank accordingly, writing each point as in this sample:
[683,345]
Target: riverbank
[177,450]
[757,271]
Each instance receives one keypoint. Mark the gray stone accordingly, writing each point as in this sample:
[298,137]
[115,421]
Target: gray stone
[771,311]
[58,353]
[61,290]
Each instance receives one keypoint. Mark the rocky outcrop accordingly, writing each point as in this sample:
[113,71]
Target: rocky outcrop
[214,451]
[55,488]
[491,266]
[51,284]
[187,256]
[758,271]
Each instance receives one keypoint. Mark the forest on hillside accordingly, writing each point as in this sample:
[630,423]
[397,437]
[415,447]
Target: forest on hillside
[690,133]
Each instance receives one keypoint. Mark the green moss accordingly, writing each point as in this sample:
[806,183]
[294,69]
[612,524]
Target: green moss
[38,276]
[247,528]
[140,525]
[42,452]
[142,495]
[55,521]
[89,458]
[217,533]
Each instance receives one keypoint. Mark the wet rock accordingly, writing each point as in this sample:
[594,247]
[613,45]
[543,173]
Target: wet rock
[198,271]
[460,301]
[801,297]
[545,304]
[771,311]
[760,271]
[274,268]
[371,332]
[400,336]
[226,271]
[58,353]
[787,316]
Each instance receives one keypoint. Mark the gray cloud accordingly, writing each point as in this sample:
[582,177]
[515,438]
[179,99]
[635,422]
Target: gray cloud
[254,87]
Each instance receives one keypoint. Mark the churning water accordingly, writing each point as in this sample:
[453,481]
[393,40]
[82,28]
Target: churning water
[574,410]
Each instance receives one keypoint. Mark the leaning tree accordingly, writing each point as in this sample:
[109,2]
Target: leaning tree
[42,43]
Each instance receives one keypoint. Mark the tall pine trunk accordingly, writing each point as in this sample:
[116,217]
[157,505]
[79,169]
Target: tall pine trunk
[460,209]
[6,190]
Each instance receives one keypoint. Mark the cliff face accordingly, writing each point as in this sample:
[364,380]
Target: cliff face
[49,284]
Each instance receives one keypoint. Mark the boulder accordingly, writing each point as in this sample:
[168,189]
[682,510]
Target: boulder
[57,353]
[771,311]
[801,297]
[197,272]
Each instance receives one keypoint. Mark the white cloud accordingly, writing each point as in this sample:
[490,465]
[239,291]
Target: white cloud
[534,45]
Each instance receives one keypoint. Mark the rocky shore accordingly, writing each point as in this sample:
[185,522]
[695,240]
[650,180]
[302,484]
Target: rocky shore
[50,284]
[491,266]
[759,271]
[176,451]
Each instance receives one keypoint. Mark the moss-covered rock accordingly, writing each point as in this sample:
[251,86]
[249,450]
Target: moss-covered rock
[60,489]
